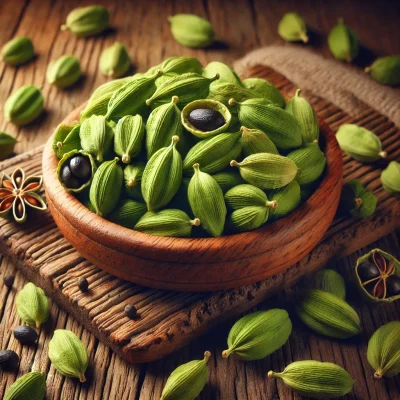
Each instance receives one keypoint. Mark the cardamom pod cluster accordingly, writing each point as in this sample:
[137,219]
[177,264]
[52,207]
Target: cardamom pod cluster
[30,386]
[343,42]
[154,151]
[17,51]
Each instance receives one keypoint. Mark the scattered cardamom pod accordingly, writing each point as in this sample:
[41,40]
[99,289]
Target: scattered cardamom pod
[187,381]
[385,70]
[17,51]
[25,334]
[390,177]
[287,199]
[32,305]
[293,28]
[265,90]
[330,281]
[191,30]
[133,180]
[64,72]
[179,65]
[127,213]
[24,105]
[30,386]
[207,201]
[9,360]
[255,141]
[384,350]
[343,42]
[114,60]
[228,179]
[259,334]
[162,176]
[328,314]
[68,354]
[7,144]
[66,138]
[226,74]
[318,380]
[87,21]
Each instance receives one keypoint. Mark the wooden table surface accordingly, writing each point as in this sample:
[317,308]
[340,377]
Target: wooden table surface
[142,26]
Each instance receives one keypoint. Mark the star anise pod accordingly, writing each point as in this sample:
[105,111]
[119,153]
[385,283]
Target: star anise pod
[17,193]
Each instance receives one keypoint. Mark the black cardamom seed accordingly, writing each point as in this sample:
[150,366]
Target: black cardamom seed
[367,271]
[81,167]
[393,285]
[8,359]
[83,284]
[69,180]
[25,334]
[131,311]
[206,119]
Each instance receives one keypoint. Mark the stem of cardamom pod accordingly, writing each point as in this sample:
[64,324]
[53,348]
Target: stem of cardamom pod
[207,355]
[231,102]
[358,201]
[59,145]
[378,374]
[226,353]
[382,154]
[234,163]
[272,374]
[367,70]
[82,377]
[126,159]
[195,222]
[304,38]
[272,204]
[37,324]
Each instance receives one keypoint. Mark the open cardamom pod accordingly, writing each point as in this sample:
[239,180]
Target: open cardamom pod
[127,213]
[330,281]
[133,180]
[385,70]
[17,51]
[343,42]
[66,138]
[293,28]
[254,141]
[30,386]
[390,177]
[287,199]
[114,60]
[228,179]
[7,144]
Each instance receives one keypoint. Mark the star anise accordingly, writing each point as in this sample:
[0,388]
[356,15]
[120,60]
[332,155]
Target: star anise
[17,193]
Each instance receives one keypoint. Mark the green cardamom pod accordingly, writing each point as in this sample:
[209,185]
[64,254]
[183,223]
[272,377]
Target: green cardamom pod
[287,198]
[66,138]
[390,177]
[328,314]
[172,223]
[207,201]
[164,122]
[215,153]
[254,141]
[247,195]
[180,201]
[265,90]
[293,28]
[129,135]
[311,162]
[96,136]
[17,51]
[357,200]
[106,187]
[133,180]
[30,386]
[359,143]
[267,171]
[283,129]
[188,87]
[343,42]
[164,78]
[114,60]
[246,219]
[162,176]
[68,354]
[187,381]
[259,334]
[191,30]
[305,115]
[127,213]
[87,21]
[130,98]
[330,281]
[32,305]
[64,72]
[318,380]
[226,74]
[228,179]
[179,65]
[24,105]
[7,144]
[385,70]
[383,352]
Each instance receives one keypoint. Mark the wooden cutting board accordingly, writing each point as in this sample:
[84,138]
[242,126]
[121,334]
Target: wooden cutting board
[169,320]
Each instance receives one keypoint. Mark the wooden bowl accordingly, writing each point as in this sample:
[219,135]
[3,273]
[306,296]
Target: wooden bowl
[196,264]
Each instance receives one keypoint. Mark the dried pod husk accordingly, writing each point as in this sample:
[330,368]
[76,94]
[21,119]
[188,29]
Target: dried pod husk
[385,70]
[207,201]
[318,380]
[327,314]
[293,28]
[7,144]
[266,171]
[226,74]
[180,65]
[68,354]
[187,381]
[170,222]
[311,162]
[18,51]
[30,386]
[359,143]
[206,104]
[96,136]
[255,141]
[390,177]
[87,21]
[164,122]
[162,176]
[191,30]
[129,135]
[228,179]
[281,127]
[265,90]
[258,334]
[106,187]
[357,200]
[383,352]
[127,213]
[64,71]
[287,198]
[32,305]
[133,180]
[66,138]
[215,153]
[188,87]
[24,105]
[304,113]
[330,281]
[114,60]
[343,42]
